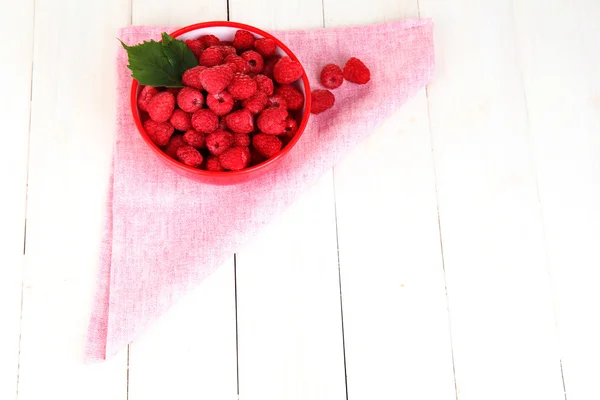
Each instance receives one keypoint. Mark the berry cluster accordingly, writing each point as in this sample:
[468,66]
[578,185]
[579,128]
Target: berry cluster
[332,76]
[238,108]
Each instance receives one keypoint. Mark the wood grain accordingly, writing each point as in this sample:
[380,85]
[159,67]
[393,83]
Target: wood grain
[562,88]
[72,126]
[502,321]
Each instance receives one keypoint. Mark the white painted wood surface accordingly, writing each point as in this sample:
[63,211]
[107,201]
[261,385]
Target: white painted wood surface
[495,300]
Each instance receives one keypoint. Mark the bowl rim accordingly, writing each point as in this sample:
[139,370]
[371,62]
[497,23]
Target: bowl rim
[226,174]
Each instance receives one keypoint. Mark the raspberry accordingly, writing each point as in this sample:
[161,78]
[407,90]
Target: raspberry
[220,103]
[332,76]
[219,141]
[241,86]
[205,121]
[240,121]
[267,145]
[357,72]
[227,51]
[270,64]
[256,157]
[235,158]
[175,143]
[213,164]
[196,47]
[264,84]
[211,57]
[266,47]
[147,93]
[216,79]
[241,140]
[321,100]
[191,77]
[272,120]
[161,106]
[209,40]
[254,60]
[287,70]
[189,156]
[243,40]
[240,64]
[195,139]
[291,127]
[256,103]
[181,120]
[293,97]
[276,101]
[159,132]
[190,100]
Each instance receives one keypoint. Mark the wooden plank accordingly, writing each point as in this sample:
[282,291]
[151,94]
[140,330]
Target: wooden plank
[190,352]
[395,310]
[72,127]
[289,318]
[502,322]
[562,87]
[14,112]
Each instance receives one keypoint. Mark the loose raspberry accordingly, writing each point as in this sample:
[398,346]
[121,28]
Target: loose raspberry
[213,164]
[357,72]
[291,127]
[205,121]
[209,40]
[241,86]
[243,40]
[241,140]
[276,101]
[211,57]
[195,139]
[256,157]
[161,106]
[240,64]
[235,158]
[216,79]
[196,47]
[175,143]
[227,51]
[293,97]
[191,77]
[254,60]
[220,103]
[190,100]
[181,120]
[159,132]
[189,156]
[272,120]
[321,100]
[266,47]
[287,70]
[267,145]
[332,76]
[269,65]
[240,121]
[147,93]
[264,84]
[219,141]
[256,103]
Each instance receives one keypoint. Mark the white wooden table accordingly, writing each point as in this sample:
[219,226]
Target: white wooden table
[461,240]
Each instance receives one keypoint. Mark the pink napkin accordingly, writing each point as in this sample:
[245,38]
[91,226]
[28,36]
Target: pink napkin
[164,233]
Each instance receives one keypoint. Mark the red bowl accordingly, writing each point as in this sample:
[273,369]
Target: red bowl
[225,30]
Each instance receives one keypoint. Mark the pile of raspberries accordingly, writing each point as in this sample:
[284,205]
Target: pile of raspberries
[239,107]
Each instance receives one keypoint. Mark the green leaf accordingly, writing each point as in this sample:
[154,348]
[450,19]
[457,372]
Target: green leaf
[160,63]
